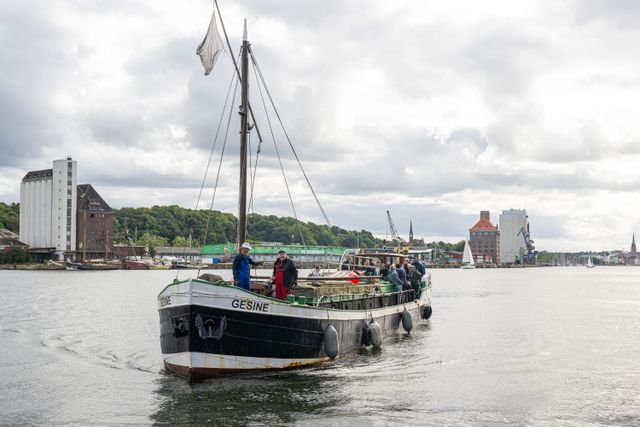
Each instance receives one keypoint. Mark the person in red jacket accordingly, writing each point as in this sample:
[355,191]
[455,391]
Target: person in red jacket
[285,275]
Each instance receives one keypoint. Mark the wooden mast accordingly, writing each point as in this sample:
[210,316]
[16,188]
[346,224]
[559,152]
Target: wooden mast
[244,131]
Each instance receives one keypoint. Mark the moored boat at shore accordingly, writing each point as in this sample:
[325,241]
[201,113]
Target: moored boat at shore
[92,266]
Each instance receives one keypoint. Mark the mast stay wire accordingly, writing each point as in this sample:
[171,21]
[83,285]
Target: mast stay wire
[266,88]
[215,186]
[284,177]
[224,144]
[213,147]
[235,64]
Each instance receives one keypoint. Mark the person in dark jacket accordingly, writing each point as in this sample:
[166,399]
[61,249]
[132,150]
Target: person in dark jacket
[368,268]
[384,271]
[396,282]
[241,267]
[415,278]
[402,273]
[285,275]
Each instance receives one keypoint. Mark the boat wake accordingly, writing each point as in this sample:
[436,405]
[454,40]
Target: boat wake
[96,354]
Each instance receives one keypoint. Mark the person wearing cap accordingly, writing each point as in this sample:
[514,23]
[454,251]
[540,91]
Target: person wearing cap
[241,267]
[285,274]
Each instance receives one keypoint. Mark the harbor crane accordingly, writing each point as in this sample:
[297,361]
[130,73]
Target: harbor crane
[393,231]
[444,258]
[530,257]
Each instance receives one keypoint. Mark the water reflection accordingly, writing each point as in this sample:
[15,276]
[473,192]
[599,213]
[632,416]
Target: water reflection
[252,399]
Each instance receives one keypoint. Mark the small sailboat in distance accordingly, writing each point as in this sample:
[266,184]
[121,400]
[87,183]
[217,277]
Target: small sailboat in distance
[589,263]
[467,257]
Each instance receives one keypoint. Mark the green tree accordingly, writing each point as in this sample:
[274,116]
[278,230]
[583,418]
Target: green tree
[459,247]
[181,242]
[544,257]
[174,222]
[151,242]
[10,216]
[16,255]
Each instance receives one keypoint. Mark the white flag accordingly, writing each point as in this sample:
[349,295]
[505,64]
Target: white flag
[211,47]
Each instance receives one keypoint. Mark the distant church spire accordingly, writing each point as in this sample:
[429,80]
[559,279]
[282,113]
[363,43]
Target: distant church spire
[410,231]
[633,244]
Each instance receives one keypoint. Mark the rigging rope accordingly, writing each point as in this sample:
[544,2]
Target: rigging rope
[215,187]
[235,64]
[284,177]
[213,146]
[257,67]
[215,140]
[224,144]
[255,171]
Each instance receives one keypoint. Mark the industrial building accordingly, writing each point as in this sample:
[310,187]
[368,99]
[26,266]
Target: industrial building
[95,225]
[61,220]
[48,210]
[514,234]
[484,239]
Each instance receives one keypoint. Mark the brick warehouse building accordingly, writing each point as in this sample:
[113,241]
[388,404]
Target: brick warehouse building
[484,239]
[94,224]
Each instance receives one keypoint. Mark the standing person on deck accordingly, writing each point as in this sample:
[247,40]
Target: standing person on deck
[396,282]
[415,277]
[384,271]
[285,274]
[402,273]
[241,267]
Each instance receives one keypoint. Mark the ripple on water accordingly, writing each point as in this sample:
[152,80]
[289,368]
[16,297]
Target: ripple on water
[528,347]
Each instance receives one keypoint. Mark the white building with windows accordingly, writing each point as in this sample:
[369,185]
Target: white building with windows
[512,243]
[48,209]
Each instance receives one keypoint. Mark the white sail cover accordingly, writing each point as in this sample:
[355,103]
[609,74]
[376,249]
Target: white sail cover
[211,47]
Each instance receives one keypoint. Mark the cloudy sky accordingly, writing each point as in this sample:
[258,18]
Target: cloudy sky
[432,110]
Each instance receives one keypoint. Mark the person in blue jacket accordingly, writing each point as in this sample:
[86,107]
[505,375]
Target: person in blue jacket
[402,273]
[241,267]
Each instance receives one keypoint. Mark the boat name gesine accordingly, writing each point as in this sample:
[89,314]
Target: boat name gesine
[250,305]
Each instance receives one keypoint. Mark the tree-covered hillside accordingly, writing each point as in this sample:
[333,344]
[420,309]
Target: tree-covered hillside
[10,216]
[175,223]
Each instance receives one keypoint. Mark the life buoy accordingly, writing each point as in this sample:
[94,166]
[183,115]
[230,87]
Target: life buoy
[331,342]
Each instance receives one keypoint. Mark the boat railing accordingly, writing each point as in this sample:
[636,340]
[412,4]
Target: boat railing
[406,296]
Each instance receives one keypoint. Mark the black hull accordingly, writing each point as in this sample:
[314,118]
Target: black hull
[210,334]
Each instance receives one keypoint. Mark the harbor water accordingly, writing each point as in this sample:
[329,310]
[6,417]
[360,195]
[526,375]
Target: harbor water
[537,346]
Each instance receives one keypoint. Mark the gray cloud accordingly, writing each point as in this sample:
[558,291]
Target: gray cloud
[30,48]
[619,13]
[407,100]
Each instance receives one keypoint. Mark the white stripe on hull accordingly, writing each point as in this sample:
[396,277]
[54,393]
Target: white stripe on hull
[220,362]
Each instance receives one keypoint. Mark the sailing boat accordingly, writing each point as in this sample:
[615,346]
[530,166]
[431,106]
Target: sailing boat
[589,263]
[467,257]
[208,327]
